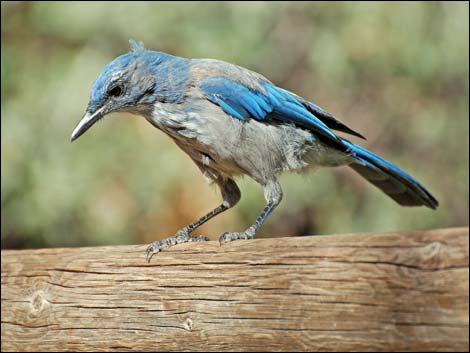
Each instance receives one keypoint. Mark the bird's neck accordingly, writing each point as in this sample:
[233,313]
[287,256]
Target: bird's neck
[171,78]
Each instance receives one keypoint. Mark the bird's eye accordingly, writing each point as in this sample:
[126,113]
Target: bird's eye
[115,91]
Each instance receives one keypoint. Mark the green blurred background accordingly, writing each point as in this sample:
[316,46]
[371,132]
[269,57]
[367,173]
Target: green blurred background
[396,72]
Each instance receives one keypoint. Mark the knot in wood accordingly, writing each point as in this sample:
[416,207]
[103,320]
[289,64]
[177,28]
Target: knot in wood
[38,302]
[188,324]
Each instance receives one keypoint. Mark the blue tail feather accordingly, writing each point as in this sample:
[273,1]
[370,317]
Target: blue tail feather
[393,181]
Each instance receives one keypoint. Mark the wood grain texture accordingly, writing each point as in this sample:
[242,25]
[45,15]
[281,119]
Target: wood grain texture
[363,292]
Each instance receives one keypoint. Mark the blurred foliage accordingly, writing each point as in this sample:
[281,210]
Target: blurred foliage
[396,72]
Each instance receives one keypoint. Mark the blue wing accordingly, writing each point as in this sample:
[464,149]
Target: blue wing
[242,102]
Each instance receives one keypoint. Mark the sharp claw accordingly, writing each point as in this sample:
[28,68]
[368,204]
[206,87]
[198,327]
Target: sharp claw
[151,250]
[221,239]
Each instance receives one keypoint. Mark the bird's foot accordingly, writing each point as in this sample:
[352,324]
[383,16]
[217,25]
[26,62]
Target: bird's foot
[229,236]
[181,236]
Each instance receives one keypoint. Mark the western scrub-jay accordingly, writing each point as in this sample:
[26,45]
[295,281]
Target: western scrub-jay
[232,121]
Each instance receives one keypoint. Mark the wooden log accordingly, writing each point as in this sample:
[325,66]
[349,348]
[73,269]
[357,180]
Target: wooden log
[365,292]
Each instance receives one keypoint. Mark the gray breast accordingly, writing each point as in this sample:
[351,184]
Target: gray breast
[229,146]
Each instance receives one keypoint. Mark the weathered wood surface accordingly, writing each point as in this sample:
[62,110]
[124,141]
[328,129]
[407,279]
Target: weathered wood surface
[363,292]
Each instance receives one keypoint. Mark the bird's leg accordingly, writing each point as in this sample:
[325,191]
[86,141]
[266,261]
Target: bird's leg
[273,196]
[231,195]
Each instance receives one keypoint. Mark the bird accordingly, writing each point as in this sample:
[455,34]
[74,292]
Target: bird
[231,122]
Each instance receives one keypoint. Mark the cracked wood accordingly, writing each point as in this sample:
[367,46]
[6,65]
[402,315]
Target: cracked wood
[363,292]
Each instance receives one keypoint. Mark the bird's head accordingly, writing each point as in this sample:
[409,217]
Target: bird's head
[128,83]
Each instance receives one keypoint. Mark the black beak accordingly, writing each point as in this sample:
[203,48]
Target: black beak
[87,121]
